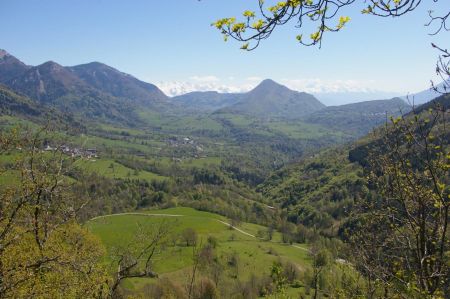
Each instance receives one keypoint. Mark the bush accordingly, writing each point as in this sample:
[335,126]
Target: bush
[189,236]
[165,288]
[205,289]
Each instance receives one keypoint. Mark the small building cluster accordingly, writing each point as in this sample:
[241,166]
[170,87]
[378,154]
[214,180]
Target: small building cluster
[178,141]
[196,149]
[89,153]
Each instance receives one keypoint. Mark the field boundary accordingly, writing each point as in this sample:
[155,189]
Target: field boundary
[136,214]
[175,215]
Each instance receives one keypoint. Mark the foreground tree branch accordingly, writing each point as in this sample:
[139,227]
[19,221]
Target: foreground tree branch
[403,237]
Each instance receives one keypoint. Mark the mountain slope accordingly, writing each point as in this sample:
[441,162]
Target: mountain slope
[317,192]
[206,101]
[118,84]
[23,108]
[272,100]
[10,67]
[358,118]
[14,104]
[92,91]
[442,100]
[320,192]
[53,85]
[47,82]
[426,95]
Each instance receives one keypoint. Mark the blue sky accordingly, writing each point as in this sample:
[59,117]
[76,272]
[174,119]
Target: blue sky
[171,44]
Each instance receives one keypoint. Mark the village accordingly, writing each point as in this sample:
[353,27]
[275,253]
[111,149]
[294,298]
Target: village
[90,153]
[175,141]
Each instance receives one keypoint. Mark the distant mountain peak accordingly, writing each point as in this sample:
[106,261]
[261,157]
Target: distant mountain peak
[10,67]
[271,99]
[3,53]
[51,65]
[95,64]
[269,83]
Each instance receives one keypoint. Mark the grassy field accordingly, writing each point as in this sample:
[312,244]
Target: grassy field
[111,169]
[126,145]
[7,121]
[180,123]
[299,130]
[175,261]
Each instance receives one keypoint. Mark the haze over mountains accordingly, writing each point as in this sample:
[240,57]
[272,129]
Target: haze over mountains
[426,95]
[97,91]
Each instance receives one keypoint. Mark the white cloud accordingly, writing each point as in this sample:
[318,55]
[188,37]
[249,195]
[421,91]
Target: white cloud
[330,86]
[173,88]
[236,85]
[208,83]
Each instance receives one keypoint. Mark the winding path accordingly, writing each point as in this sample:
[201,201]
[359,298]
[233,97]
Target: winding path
[175,215]
[136,214]
[239,230]
[248,234]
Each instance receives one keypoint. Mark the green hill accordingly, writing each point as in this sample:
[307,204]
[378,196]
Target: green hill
[271,100]
[358,119]
[16,108]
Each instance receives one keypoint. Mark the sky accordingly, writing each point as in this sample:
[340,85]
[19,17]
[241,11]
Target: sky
[173,45]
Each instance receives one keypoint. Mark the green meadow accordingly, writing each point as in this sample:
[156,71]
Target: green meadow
[175,260]
[111,169]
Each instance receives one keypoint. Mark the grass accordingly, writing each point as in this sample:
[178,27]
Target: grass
[7,122]
[9,178]
[10,157]
[180,123]
[255,256]
[299,130]
[237,119]
[111,169]
[119,130]
[117,145]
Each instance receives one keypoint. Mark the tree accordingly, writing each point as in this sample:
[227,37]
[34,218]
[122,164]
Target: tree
[43,251]
[320,259]
[135,259]
[402,237]
[189,236]
[278,278]
[326,16]
[206,289]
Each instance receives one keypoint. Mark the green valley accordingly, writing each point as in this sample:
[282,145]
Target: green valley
[111,186]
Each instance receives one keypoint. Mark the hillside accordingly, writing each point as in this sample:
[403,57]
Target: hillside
[317,192]
[320,191]
[272,100]
[111,81]
[92,91]
[425,96]
[10,67]
[15,108]
[207,101]
[360,118]
[17,105]
[443,101]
